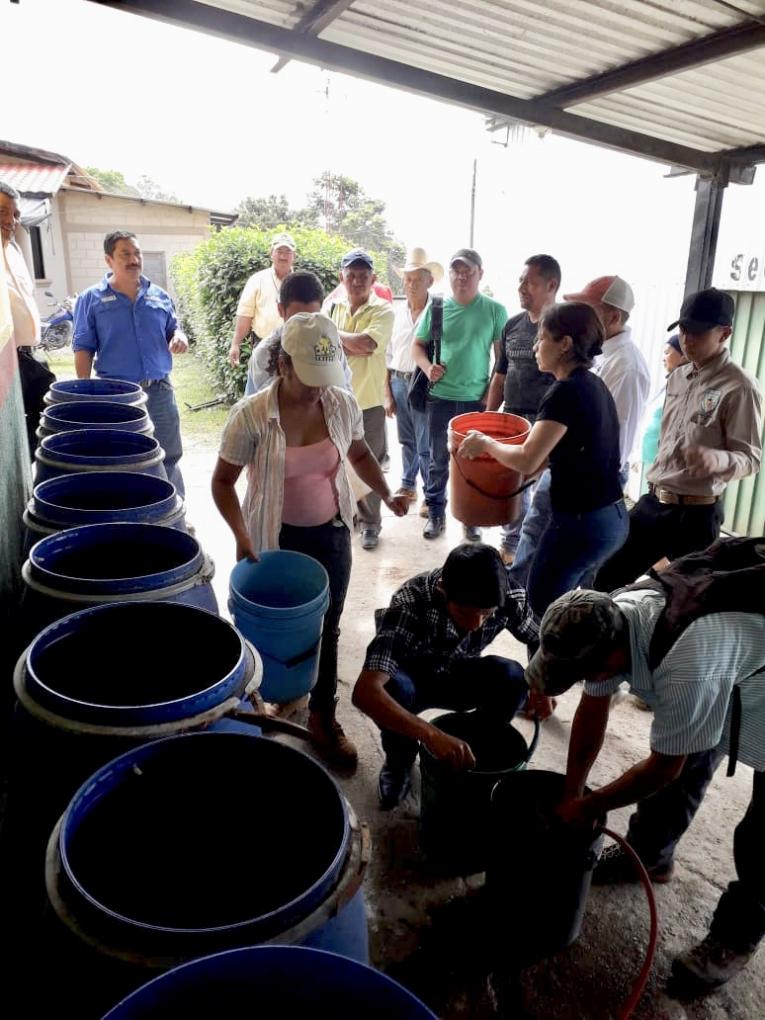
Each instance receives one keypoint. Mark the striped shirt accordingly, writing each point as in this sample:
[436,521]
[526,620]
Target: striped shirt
[690,691]
[253,437]
[416,629]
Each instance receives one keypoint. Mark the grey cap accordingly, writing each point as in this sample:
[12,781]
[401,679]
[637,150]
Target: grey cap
[577,631]
[469,255]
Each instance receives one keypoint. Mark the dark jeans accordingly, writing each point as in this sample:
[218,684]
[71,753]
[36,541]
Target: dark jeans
[412,428]
[657,530]
[440,413]
[492,684]
[659,821]
[374,434]
[330,544]
[571,549]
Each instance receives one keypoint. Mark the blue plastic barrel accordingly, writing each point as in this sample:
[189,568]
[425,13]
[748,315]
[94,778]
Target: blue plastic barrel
[271,981]
[279,603]
[105,497]
[118,391]
[66,453]
[209,841]
[100,563]
[93,414]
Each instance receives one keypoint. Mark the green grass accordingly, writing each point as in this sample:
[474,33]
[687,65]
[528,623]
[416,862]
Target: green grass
[193,385]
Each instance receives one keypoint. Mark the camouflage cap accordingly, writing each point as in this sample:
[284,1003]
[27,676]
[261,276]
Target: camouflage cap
[577,631]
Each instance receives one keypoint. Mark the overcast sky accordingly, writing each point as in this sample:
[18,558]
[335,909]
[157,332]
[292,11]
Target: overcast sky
[208,121]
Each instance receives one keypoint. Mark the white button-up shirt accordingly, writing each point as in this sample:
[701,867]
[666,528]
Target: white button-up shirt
[622,368]
[399,354]
[26,317]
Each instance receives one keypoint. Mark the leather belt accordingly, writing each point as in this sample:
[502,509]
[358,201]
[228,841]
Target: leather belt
[406,376]
[665,496]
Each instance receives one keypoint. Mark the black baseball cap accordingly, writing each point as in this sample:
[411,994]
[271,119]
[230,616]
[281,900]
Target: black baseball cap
[704,310]
[469,255]
[356,255]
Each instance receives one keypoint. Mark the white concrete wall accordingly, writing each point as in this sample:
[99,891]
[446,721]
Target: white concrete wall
[86,217]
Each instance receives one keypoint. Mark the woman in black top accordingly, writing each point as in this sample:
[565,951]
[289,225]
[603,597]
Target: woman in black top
[577,429]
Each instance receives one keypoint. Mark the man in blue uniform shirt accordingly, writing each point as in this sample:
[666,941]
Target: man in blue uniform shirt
[129,326]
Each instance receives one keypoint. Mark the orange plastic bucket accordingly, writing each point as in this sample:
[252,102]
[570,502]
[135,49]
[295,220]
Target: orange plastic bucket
[483,492]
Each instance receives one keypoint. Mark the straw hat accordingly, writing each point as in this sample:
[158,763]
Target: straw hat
[417,258]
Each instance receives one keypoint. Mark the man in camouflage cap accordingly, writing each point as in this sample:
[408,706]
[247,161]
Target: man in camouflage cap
[605,640]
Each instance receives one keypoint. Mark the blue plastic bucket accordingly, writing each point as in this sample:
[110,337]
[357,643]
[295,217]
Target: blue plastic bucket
[100,563]
[67,453]
[205,842]
[273,981]
[105,497]
[93,414]
[279,604]
[118,391]
[96,684]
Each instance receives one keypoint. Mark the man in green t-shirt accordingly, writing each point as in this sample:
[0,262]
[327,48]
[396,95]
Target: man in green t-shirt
[472,325]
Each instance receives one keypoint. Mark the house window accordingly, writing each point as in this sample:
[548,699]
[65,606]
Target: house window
[38,263]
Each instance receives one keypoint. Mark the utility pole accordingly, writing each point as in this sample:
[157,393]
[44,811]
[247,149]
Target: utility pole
[472,203]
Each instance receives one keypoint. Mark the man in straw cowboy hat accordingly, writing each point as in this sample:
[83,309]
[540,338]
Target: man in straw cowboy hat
[418,275]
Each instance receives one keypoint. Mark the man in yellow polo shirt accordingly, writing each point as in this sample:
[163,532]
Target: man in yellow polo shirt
[365,324]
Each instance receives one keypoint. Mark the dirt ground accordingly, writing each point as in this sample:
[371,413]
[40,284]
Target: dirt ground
[427,932]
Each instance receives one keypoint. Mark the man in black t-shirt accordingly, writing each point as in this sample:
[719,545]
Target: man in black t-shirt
[517,384]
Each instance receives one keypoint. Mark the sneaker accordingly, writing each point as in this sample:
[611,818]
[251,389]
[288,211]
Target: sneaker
[508,556]
[393,785]
[434,527]
[707,966]
[615,867]
[329,736]
[410,494]
[369,538]
[470,533]
[424,509]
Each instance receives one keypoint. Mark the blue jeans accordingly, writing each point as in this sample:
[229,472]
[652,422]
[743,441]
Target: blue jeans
[511,533]
[440,413]
[490,683]
[163,411]
[412,428]
[536,519]
[571,549]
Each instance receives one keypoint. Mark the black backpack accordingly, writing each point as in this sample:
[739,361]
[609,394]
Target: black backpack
[727,577]
[419,385]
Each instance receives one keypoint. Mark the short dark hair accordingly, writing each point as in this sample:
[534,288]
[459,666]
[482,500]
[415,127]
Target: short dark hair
[111,240]
[547,267]
[276,354]
[581,323]
[474,575]
[301,286]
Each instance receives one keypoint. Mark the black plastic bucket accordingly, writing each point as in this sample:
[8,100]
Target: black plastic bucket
[539,870]
[454,805]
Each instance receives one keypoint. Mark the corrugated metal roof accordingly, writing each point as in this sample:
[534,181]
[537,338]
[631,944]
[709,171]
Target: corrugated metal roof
[525,49]
[33,178]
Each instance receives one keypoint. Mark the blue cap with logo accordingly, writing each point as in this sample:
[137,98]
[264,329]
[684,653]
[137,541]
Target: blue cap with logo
[356,255]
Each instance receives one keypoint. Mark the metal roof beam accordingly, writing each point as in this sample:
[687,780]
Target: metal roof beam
[242,29]
[747,35]
[314,21]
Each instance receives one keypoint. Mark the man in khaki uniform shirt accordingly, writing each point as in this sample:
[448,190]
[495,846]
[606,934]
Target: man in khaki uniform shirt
[258,305]
[711,432]
[365,324]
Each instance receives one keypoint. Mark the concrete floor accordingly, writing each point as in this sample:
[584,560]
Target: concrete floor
[425,931]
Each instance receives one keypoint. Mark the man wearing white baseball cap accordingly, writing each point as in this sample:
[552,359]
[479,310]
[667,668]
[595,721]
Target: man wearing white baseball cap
[258,308]
[294,438]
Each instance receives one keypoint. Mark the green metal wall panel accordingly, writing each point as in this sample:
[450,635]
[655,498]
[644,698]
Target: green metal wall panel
[745,500]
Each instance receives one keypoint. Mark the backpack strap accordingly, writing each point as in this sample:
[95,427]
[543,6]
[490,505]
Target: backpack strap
[436,328]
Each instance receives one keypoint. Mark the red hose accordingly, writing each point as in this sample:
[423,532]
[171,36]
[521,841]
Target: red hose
[628,1008]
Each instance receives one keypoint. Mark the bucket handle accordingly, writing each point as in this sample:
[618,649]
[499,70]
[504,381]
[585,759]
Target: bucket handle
[365,856]
[534,740]
[295,660]
[490,495]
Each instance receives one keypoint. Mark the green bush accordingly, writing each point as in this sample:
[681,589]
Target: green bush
[209,280]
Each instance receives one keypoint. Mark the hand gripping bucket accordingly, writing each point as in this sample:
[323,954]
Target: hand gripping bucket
[483,492]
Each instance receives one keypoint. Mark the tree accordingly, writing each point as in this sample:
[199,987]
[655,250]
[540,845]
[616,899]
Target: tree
[112,180]
[268,213]
[148,188]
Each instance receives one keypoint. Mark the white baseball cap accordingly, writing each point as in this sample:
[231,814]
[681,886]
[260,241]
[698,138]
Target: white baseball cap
[313,343]
[283,239]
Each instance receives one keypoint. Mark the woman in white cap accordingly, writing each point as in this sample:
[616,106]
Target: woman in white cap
[295,438]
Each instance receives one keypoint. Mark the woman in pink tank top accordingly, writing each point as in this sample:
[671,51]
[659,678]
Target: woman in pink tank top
[294,438]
